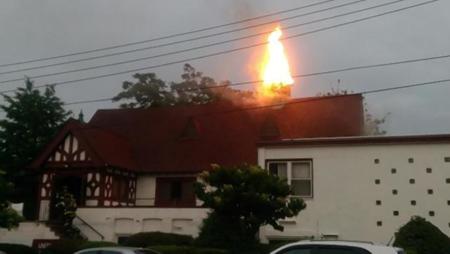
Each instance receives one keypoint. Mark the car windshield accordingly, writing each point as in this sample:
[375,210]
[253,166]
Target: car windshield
[145,252]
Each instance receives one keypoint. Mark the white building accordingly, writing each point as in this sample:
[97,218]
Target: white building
[362,188]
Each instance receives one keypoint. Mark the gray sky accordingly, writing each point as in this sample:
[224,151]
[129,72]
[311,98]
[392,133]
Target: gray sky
[40,28]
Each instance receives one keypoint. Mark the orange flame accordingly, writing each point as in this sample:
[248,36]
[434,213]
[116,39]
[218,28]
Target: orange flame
[275,70]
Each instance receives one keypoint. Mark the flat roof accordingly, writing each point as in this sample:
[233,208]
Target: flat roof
[360,140]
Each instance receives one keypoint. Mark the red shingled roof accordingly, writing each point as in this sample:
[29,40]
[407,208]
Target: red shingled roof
[191,138]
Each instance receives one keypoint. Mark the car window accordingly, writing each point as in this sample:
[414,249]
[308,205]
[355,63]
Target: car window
[90,252]
[145,252]
[341,250]
[297,250]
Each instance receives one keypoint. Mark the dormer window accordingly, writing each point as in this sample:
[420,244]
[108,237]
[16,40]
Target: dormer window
[190,130]
[269,128]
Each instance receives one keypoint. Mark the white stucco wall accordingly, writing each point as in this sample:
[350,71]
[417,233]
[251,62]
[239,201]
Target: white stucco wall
[25,233]
[115,222]
[345,192]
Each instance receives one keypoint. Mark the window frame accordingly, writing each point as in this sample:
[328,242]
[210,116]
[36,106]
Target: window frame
[289,178]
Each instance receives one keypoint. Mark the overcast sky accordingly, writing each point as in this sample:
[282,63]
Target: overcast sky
[32,29]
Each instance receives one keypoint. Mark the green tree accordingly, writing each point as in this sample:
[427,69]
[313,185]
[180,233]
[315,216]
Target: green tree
[32,119]
[242,199]
[8,217]
[147,91]
[195,88]
[66,208]
[419,236]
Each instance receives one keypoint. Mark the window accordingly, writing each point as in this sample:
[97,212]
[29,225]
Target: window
[298,174]
[90,252]
[120,188]
[341,250]
[143,251]
[297,250]
[175,192]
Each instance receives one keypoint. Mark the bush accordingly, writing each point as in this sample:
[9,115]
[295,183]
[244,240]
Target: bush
[16,249]
[218,232]
[96,244]
[145,239]
[64,246]
[172,249]
[419,236]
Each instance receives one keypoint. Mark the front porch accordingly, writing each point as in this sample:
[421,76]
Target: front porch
[90,188]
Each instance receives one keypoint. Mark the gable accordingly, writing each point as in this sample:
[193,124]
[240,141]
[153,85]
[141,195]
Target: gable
[69,150]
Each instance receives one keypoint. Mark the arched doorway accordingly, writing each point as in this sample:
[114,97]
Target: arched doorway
[75,185]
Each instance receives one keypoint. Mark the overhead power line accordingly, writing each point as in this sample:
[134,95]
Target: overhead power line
[194,39]
[168,36]
[398,87]
[295,76]
[381,90]
[220,52]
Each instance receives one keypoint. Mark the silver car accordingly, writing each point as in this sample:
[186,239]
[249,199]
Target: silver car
[336,247]
[116,250]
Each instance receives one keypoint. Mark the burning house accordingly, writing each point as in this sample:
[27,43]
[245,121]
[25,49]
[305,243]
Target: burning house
[132,170]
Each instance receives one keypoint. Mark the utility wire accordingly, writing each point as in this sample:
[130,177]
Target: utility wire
[294,76]
[217,53]
[403,86]
[310,99]
[191,39]
[168,36]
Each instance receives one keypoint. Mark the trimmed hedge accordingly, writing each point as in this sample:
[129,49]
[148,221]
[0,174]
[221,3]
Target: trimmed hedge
[96,244]
[10,248]
[421,237]
[172,249]
[145,239]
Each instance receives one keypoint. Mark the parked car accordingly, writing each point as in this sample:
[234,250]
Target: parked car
[336,247]
[117,250]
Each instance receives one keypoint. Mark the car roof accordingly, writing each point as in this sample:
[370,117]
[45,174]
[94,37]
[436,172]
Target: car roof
[376,248]
[116,248]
